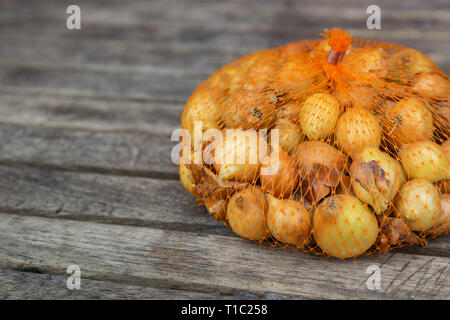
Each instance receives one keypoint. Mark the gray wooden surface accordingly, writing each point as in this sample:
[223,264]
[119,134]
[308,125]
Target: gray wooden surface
[85,170]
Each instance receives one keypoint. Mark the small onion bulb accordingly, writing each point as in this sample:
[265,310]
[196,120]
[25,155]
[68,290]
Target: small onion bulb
[376,178]
[357,128]
[247,214]
[419,204]
[344,227]
[319,115]
[282,182]
[425,160]
[237,157]
[288,221]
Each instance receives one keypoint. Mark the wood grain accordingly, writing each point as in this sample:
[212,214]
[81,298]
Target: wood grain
[145,256]
[109,152]
[22,107]
[35,286]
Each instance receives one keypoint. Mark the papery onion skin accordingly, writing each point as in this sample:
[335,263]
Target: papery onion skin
[317,152]
[227,153]
[446,147]
[425,160]
[283,182]
[393,172]
[419,204]
[344,227]
[288,221]
[247,214]
[408,121]
[356,129]
[431,85]
[319,115]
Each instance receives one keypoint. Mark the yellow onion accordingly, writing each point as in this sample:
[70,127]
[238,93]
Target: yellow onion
[425,160]
[404,64]
[431,85]
[344,227]
[349,94]
[373,61]
[443,225]
[290,135]
[356,129]
[376,178]
[446,147]
[290,111]
[408,121]
[203,107]
[237,157]
[321,167]
[419,204]
[319,115]
[247,213]
[283,182]
[186,178]
[288,221]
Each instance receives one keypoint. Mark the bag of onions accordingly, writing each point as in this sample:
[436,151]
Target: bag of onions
[336,146]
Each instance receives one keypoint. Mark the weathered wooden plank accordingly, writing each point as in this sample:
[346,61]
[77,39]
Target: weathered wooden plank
[22,107]
[121,153]
[159,86]
[104,198]
[145,256]
[232,11]
[17,285]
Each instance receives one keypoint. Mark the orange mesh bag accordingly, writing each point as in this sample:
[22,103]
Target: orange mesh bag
[336,146]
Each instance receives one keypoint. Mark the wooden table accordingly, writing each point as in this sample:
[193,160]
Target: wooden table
[85,172]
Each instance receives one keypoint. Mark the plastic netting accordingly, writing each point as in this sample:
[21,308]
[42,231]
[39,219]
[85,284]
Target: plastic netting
[358,130]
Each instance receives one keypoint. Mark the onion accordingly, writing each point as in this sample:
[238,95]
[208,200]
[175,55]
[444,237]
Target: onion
[376,178]
[355,95]
[283,182]
[288,221]
[290,135]
[246,214]
[186,178]
[446,147]
[321,167]
[369,60]
[344,227]
[431,85]
[418,203]
[290,111]
[357,128]
[211,191]
[201,106]
[404,64]
[408,121]
[444,220]
[319,115]
[425,160]
[237,157]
